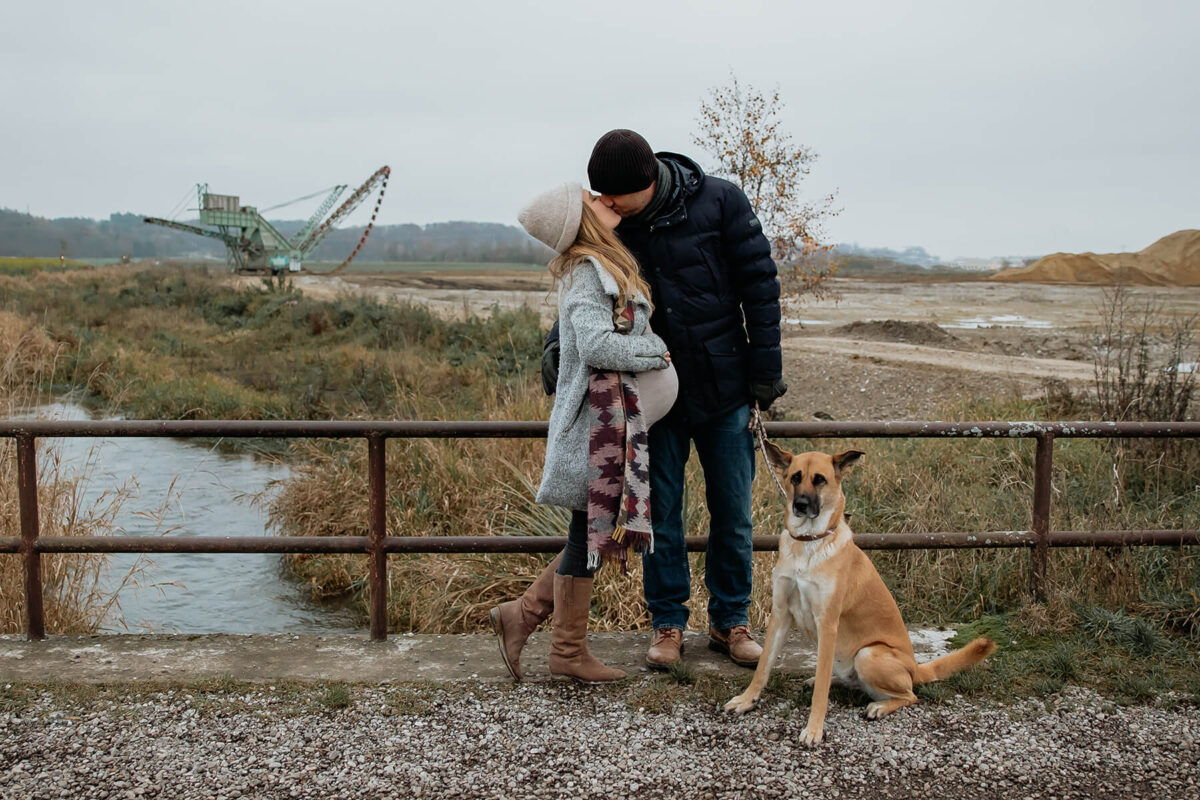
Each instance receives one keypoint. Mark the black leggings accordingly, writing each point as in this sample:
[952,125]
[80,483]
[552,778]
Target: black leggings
[574,555]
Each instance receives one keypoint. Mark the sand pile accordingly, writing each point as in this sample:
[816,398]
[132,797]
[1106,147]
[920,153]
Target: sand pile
[1173,260]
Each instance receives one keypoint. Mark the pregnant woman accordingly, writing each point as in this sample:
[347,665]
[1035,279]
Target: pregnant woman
[615,379]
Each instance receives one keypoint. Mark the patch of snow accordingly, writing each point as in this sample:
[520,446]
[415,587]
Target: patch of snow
[932,642]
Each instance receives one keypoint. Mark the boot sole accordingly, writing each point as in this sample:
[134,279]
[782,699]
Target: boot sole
[498,627]
[579,680]
[717,646]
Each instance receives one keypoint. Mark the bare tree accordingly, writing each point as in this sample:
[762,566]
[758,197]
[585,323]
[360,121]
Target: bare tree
[741,128]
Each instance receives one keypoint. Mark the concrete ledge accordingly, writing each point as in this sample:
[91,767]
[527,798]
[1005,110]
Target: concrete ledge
[354,659]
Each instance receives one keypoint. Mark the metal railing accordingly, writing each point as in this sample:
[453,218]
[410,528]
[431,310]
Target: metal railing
[377,544]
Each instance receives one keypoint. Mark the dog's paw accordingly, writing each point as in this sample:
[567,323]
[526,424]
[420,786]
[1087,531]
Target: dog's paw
[877,710]
[741,704]
[812,738]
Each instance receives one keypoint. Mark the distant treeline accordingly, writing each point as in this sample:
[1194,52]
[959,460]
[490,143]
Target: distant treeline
[126,234]
[911,255]
[854,262]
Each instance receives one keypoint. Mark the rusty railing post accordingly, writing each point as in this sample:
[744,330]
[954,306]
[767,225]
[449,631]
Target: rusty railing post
[27,491]
[377,533]
[1042,469]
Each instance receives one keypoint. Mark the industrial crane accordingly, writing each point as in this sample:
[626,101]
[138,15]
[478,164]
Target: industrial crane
[255,245]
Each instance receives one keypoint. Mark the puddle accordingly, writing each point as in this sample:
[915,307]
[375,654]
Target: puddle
[1000,320]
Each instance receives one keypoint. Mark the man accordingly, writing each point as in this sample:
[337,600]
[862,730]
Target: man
[716,304]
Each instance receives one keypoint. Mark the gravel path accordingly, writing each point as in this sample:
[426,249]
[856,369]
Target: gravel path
[555,740]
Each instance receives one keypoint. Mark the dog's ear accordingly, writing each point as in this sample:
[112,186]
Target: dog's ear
[778,459]
[845,460]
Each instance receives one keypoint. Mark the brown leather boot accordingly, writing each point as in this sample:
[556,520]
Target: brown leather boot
[569,656]
[665,648]
[738,643]
[515,620]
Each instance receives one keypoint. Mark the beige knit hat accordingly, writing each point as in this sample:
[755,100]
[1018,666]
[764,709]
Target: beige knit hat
[553,216]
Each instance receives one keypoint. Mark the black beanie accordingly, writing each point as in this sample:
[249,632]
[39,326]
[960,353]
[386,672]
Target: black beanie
[622,163]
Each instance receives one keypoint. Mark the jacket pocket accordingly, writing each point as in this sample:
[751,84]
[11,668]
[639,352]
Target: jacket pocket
[727,359]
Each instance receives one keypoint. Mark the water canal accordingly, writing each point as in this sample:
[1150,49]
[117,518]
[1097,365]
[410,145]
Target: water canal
[178,488]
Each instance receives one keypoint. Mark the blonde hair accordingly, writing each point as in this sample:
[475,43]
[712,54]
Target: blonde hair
[598,242]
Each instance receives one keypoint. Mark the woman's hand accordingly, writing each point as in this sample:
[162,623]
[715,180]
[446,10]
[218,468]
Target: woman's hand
[667,356]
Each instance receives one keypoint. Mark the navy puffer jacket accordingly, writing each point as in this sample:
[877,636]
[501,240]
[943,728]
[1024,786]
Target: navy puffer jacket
[714,288]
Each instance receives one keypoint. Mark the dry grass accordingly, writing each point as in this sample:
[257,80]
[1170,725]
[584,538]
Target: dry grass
[73,599]
[27,356]
[486,488]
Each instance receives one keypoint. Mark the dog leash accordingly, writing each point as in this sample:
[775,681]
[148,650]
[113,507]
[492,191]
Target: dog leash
[756,425]
[760,432]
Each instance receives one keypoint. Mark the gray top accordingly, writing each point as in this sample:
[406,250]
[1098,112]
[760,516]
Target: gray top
[587,339]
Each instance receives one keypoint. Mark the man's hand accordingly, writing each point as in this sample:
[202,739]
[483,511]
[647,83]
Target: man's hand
[767,392]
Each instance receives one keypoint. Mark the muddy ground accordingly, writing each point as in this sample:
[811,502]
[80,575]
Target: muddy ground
[874,350]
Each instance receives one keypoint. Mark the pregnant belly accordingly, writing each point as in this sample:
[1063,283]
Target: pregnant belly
[657,390]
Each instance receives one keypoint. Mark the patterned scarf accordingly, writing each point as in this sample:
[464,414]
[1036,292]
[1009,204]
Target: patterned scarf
[618,464]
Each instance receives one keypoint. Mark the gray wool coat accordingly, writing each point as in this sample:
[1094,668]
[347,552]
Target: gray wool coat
[587,339]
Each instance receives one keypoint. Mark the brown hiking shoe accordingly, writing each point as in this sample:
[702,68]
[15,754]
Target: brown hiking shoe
[665,648]
[737,643]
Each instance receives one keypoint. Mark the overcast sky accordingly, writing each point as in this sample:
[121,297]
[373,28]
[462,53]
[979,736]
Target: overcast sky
[968,128]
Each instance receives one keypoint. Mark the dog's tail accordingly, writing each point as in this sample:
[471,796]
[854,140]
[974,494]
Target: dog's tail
[951,663]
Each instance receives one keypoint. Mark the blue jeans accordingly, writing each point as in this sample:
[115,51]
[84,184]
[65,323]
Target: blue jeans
[726,450]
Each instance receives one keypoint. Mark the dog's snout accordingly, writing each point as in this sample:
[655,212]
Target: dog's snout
[806,505]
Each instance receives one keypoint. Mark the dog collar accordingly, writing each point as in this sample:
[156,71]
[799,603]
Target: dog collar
[818,537]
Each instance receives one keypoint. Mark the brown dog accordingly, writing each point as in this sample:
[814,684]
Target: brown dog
[827,587]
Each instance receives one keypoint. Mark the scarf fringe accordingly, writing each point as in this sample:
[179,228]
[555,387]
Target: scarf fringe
[620,548]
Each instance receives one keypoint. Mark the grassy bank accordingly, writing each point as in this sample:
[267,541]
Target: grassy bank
[72,598]
[167,343]
[28,266]
[163,343]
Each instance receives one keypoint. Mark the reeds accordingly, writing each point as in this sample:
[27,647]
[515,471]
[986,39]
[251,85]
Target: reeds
[73,598]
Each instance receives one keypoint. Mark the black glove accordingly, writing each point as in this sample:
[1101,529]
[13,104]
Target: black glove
[550,361]
[767,392]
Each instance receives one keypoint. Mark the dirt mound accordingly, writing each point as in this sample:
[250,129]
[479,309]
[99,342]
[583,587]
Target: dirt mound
[894,330]
[1173,260]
